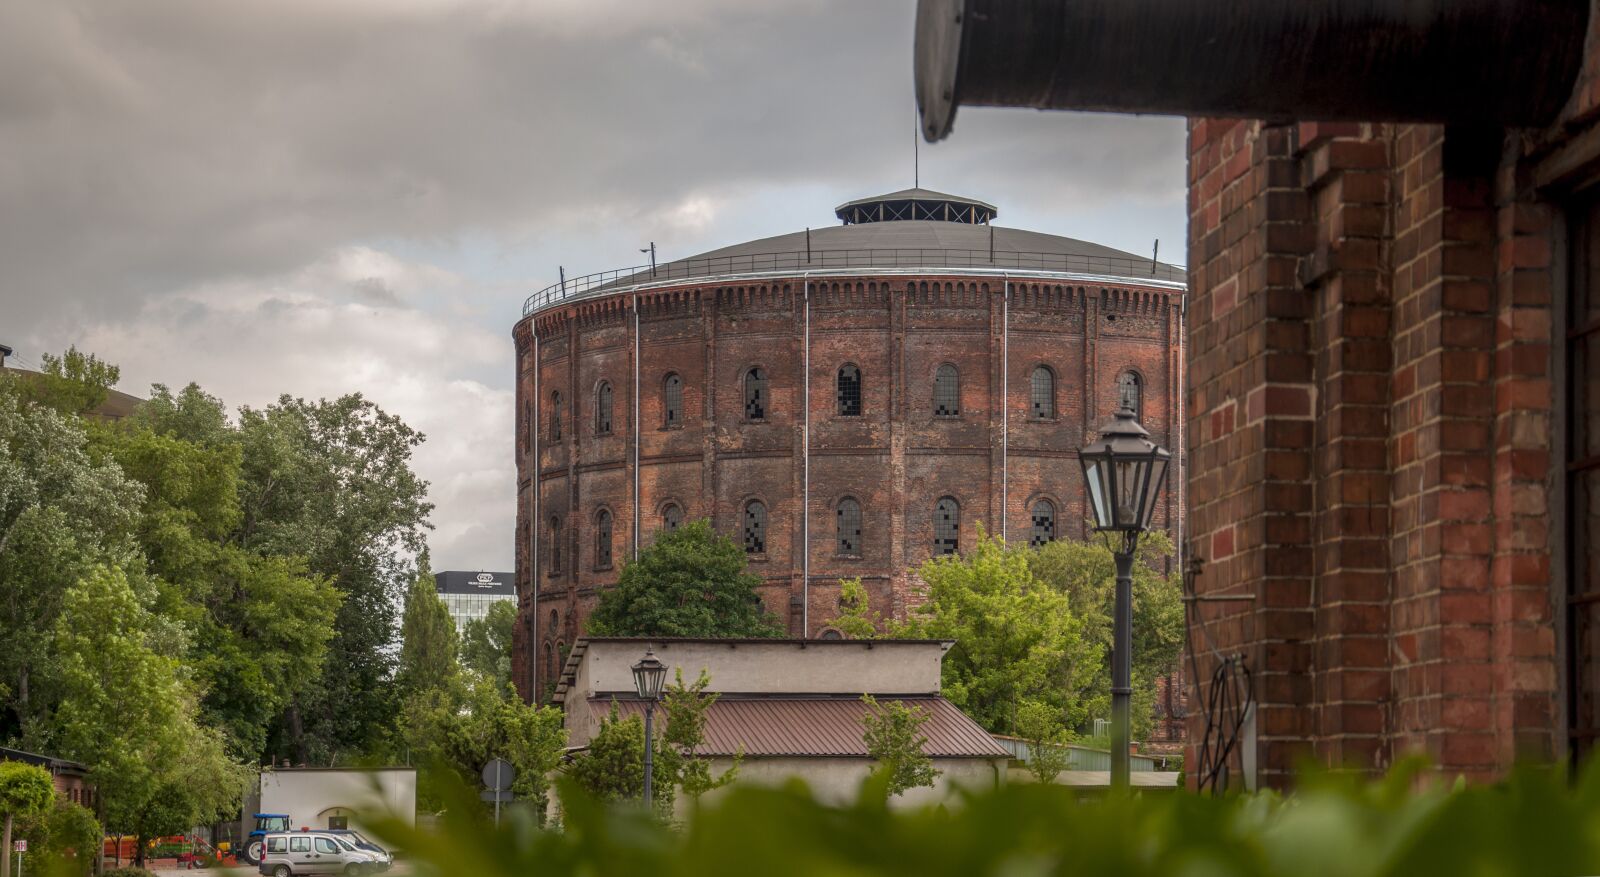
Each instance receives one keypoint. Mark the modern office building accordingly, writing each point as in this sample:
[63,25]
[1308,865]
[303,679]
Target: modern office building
[470,594]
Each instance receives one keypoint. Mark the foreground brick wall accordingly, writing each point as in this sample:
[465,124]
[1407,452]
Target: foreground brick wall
[896,460]
[1372,412]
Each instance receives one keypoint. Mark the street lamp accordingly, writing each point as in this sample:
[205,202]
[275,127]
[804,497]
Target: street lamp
[1124,472]
[648,676]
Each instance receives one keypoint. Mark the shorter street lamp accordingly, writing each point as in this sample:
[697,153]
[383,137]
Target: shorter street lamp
[1124,472]
[648,676]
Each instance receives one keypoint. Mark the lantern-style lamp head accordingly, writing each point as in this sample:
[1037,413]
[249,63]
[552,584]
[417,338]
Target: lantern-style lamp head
[649,675]
[1124,471]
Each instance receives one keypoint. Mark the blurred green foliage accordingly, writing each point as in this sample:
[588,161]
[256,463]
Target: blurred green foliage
[1333,826]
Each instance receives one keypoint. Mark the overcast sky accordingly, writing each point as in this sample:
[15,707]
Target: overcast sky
[322,196]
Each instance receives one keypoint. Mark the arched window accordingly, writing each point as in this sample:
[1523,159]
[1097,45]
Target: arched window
[947,392]
[602,540]
[847,527]
[527,422]
[555,620]
[1130,394]
[946,526]
[671,516]
[831,633]
[755,527]
[549,660]
[602,409]
[555,545]
[849,385]
[555,416]
[755,394]
[1044,523]
[1042,394]
[672,400]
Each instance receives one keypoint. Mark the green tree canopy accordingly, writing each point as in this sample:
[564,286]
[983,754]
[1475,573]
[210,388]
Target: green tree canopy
[62,512]
[1016,638]
[428,643]
[72,383]
[486,642]
[1086,573]
[690,582]
[893,734]
[26,793]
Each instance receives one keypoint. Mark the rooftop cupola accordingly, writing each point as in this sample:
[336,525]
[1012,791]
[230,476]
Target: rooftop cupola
[915,204]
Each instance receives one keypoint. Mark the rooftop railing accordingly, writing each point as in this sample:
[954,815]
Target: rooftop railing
[832,260]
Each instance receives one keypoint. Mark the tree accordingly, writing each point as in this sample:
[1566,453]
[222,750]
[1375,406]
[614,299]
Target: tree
[428,646]
[856,619]
[332,481]
[677,765]
[690,582]
[486,642]
[126,709]
[72,383]
[1086,573]
[1016,639]
[26,793]
[612,768]
[259,625]
[893,734]
[68,837]
[1040,724]
[62,512]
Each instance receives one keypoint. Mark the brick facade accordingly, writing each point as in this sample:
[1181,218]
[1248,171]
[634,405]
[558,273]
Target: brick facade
[897,459]
[1378,408]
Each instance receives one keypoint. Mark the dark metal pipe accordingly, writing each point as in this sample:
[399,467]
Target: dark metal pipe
[1502,62]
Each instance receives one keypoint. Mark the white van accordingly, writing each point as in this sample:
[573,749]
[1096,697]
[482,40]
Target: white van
[296,853]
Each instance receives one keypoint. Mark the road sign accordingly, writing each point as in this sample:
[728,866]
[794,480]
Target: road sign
[498,775]
[496,796]
[20,846]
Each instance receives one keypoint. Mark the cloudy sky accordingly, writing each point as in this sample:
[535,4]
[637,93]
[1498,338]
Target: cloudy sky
[319,196]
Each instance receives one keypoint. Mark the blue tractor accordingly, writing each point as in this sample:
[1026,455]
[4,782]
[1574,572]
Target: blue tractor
[265,822]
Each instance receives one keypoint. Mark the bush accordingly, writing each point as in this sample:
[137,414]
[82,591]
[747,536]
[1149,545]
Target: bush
[1335,826]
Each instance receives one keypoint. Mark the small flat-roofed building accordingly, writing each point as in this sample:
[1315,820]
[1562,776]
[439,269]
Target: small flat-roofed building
[792,707]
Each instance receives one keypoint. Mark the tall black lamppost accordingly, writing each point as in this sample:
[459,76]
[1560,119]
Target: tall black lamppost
[1124,472]
[648,676]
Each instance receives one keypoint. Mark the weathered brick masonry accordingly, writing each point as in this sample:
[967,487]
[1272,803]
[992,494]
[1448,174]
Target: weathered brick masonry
[897,459]
[1387,446]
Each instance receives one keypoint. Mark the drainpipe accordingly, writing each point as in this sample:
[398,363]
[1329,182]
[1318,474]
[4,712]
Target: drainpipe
[533,529]
[635,552]
[1005,403]
[805,466]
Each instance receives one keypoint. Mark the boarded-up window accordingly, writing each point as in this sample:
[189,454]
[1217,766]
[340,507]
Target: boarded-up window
[602,409]
[671,516]
[555,416]
[602,540]
[1130,394]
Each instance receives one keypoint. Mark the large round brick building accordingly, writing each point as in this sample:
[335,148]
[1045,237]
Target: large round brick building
[843,401]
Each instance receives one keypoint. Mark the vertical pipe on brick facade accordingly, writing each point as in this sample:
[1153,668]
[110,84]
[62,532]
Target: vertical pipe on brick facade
[635,552]
[533,529]
[805,465]
[1005,402]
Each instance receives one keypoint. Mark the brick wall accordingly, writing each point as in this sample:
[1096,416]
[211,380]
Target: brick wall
[897,459]
[1371,409]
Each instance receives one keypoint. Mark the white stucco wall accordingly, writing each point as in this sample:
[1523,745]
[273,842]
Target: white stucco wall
[310,795]
[783,667]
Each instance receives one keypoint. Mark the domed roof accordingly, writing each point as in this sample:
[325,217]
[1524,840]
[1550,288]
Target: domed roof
[880,233]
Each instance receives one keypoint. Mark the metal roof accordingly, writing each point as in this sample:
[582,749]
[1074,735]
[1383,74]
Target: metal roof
[821,727]
[916,204]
